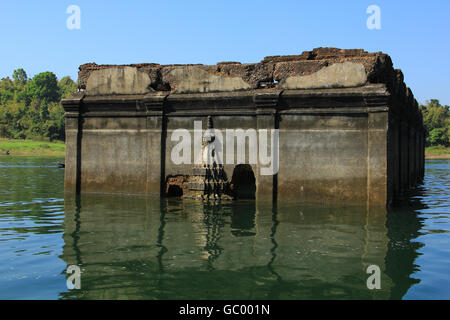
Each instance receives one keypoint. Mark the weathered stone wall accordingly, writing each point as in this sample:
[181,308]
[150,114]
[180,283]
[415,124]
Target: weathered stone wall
[350,130]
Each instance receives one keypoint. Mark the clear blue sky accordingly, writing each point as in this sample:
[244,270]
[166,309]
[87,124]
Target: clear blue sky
[34,36]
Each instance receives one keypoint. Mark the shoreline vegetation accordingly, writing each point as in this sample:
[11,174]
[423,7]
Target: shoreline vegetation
[437,152]
[26,147]
[20,147]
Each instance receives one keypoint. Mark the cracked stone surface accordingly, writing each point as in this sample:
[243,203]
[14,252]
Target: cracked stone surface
[316,69]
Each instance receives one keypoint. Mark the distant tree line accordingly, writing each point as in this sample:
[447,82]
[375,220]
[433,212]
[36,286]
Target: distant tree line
[31,108]
[436,119]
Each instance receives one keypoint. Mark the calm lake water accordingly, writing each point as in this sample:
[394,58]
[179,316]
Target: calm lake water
[131,247]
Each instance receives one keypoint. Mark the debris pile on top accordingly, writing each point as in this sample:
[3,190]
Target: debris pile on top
[316,69]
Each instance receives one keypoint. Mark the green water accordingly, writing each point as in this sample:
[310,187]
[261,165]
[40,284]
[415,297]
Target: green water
[131,247]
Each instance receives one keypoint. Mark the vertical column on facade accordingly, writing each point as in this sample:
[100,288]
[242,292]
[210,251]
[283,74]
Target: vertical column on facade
[393,157]
[422,150]
[74,130]
[421,134]
[399,161]
[266,103]
[418,152]
[412,154]
[377,158]
[404,156]
[156,142]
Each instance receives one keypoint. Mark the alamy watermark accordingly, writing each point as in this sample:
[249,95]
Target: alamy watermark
[374,280]
[73,22]
[374,20]
[212,145]
[74,280]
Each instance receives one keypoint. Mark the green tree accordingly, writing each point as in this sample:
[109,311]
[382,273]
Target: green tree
[67,87]
[44,87]
[55,123]
[438,136]
[20,77]
[436,119]
[31,108]
[6,90]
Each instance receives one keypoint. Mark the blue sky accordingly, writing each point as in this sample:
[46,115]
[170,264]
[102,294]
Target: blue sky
[34,36]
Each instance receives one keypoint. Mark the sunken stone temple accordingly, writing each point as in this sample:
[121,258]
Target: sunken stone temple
[336,125]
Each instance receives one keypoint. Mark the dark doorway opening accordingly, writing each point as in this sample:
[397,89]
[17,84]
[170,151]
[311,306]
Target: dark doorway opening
[174,191]
[243,182]
[175,185]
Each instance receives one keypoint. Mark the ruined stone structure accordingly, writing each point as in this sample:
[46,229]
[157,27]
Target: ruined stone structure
[349,129]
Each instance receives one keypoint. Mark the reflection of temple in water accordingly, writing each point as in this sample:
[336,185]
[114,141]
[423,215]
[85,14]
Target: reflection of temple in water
[131,247]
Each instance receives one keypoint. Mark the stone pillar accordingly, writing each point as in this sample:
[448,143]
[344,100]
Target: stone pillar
[74,131]
[393,157]
[422,152]
[377,159]
[156,142]
[404,135]
[266,118]
[412,155]
[417,156]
